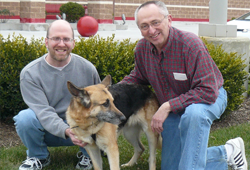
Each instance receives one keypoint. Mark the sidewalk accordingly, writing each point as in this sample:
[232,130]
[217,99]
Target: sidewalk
[132,32]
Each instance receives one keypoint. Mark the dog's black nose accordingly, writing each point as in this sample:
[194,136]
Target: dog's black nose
[122,118]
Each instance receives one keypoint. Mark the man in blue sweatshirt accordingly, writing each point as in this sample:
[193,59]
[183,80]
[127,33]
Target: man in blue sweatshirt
[43,85]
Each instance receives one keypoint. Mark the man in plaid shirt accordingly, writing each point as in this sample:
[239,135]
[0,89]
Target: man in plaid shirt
[189,87]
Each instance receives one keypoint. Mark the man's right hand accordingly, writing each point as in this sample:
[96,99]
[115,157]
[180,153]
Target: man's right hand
[159,117]
[74,139]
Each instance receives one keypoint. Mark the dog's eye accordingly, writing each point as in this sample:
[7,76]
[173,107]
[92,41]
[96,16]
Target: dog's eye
[106,104]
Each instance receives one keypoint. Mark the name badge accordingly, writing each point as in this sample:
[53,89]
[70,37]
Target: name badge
[180,76]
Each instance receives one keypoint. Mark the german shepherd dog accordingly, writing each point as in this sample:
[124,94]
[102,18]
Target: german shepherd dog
[97,114]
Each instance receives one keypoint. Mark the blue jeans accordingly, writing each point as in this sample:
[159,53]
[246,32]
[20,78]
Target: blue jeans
[185,138]
[35,137]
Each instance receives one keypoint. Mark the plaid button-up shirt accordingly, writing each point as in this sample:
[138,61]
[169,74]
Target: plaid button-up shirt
[183,73]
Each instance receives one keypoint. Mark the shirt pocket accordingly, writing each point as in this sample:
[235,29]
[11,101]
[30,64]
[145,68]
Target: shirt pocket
[180,83]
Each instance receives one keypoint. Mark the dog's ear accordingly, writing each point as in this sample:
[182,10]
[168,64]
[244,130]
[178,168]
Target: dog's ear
[77,92]
[73,89]
[107,81]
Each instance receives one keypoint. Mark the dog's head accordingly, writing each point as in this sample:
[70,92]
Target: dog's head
[94,102]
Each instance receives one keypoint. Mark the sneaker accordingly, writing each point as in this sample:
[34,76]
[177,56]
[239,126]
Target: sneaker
[84,163]
[237,161]
[34,163]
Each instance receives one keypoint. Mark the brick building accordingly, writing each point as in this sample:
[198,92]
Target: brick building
[105,11]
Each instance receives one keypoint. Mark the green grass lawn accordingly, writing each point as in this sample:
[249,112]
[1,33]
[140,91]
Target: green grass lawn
[64,158]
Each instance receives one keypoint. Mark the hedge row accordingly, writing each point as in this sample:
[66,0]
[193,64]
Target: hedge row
[109,56]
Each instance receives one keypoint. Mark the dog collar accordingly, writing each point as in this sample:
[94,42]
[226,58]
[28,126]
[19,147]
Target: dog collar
[74,127]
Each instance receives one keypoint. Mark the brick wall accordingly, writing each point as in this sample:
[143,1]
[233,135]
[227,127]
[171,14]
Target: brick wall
[102,12]
[191,10]
[13,7]
[32,12]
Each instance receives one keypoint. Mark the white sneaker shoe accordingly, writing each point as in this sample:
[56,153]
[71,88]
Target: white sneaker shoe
[238,160]
[84,163]
[34,163]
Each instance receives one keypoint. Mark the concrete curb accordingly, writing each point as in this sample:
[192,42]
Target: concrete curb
[44,26]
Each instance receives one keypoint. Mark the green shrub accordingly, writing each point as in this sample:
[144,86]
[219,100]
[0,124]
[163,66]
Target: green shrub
[15,53]
[232,68]
[109,56]
[73,11]
[5,15]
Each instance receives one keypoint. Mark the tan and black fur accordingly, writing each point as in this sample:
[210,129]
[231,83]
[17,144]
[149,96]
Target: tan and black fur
[104,111]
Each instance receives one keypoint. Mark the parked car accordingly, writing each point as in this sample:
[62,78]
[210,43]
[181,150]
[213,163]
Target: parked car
[243,25]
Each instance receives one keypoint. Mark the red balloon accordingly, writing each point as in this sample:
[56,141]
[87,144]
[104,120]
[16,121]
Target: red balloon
[87,26]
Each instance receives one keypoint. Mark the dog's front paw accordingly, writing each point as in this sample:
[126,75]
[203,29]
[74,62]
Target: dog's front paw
[128,164]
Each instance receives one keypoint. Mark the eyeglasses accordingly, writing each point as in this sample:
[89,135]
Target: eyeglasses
[58,39]
[153,24]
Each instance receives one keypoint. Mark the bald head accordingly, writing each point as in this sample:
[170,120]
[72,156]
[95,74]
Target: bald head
[60,24]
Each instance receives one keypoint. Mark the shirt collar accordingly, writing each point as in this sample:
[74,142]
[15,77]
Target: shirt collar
[58,68]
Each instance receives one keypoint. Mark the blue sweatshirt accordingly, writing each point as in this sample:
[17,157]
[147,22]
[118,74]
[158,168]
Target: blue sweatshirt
[44,89]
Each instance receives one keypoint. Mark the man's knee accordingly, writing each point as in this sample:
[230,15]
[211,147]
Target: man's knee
[194,113]
[25,119]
